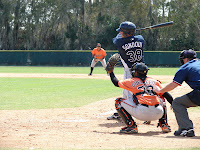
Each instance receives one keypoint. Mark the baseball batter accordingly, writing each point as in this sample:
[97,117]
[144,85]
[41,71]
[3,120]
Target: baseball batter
[190,73]
[130,48]
[144,104]
[98,54]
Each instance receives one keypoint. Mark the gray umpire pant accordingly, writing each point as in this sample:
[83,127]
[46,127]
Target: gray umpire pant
[180,105]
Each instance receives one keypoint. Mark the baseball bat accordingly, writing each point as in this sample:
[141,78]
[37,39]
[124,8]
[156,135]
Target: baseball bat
[157,26]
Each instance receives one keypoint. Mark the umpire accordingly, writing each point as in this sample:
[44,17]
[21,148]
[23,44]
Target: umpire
[190,73]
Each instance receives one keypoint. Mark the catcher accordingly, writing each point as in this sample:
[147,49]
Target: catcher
[98,54]
[145,104]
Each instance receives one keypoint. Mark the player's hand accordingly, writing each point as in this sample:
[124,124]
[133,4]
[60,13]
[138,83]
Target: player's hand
[156,89]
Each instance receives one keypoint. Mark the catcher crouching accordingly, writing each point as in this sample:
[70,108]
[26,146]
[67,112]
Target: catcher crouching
[145,104]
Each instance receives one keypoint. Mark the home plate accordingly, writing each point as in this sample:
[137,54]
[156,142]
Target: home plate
[106,113]
[75,120]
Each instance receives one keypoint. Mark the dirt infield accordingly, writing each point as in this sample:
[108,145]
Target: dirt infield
[87,127]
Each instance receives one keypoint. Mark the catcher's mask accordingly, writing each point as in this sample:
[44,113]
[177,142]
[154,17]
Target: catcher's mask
[190,54]
[140,68]
[127,27]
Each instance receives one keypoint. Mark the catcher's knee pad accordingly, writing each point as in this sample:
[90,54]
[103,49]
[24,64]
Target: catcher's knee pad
[126,117]
[118,102]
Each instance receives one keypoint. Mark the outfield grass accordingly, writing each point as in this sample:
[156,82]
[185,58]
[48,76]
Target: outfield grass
[44,93]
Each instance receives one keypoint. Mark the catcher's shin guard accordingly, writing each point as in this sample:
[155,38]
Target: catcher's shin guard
[163,122]
[126,117]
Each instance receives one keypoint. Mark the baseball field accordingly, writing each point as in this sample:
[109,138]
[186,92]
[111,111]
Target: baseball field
[56,108]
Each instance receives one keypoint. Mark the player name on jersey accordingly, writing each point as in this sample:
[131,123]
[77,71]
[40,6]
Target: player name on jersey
[132,45]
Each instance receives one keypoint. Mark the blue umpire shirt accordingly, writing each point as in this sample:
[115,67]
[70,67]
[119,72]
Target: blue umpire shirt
[130,49]
[190,73]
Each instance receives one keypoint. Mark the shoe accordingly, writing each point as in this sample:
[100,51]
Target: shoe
[147,122]
[115,116]
[165,128]
[89,74]
[129,130]
[185,132]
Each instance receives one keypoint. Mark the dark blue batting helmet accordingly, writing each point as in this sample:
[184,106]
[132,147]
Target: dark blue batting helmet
[126,27]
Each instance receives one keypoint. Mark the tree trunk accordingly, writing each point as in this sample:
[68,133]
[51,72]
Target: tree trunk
[16,26]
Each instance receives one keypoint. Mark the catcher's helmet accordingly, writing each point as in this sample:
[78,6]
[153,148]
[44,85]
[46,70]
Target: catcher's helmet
[127,27]
[140,68]
[191,54]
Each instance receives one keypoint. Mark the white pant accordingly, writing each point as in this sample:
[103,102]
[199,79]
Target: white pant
[103,62]
[141,112]
[127,75]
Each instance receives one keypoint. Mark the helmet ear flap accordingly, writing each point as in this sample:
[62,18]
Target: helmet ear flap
[181,57]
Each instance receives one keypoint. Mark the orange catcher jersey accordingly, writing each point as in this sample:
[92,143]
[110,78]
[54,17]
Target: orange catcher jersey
[136,85]
[99,54]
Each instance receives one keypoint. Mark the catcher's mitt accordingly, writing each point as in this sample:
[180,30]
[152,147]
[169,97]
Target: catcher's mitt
[112,61]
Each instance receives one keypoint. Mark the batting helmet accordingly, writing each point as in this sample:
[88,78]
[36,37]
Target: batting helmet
[190,54]
[127,27]
[140,68]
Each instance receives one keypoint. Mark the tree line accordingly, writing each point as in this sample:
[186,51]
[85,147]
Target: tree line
[80,24]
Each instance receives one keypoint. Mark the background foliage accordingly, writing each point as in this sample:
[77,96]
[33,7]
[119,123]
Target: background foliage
[80,24]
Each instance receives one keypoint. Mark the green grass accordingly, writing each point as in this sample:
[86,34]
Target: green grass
[79,70]
[42,93]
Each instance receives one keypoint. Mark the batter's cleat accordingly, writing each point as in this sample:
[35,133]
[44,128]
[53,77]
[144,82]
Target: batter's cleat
[115,116]
[165,128]
[147,122]
[89,74]
[129,130]
[185,132]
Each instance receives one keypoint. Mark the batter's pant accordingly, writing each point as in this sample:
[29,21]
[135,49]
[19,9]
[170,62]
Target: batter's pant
[127,75]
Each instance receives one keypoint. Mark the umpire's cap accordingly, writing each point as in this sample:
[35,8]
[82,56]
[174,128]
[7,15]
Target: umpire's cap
[191,54]
[126,26]
[188,54]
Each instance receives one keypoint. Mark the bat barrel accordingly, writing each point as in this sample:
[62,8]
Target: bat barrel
[157,26]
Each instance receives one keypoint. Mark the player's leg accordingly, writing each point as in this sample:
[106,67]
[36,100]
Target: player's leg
[180,105]
[163,121]
[93,63]
[126,117]
[103,62]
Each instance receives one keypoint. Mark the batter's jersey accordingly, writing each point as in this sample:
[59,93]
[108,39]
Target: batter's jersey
[130,49]
[136,85]
[99,54]
[190,73]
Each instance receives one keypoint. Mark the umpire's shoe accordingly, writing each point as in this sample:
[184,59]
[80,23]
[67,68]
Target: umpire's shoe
[185,132]
[115,116]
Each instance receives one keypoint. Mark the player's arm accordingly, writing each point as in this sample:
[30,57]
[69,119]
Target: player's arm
[168,97]
[167,88]
[114,79]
